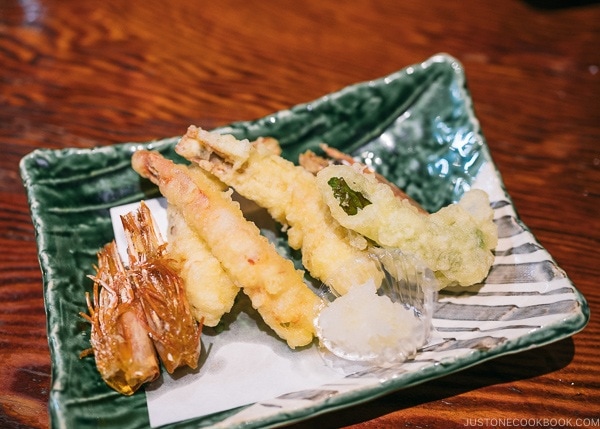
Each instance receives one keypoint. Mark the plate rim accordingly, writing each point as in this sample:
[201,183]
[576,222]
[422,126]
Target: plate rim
[553,332]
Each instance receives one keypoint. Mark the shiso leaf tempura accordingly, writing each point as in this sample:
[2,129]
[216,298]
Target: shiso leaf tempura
[456,242]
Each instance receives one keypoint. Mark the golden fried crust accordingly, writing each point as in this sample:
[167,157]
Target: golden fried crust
[456,242]
[210,291]
[330,252]
[275,288]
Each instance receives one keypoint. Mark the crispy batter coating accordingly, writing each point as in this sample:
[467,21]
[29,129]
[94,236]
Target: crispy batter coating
[209,289]
[275,288]
[314,163]
[330,252]
[456,242]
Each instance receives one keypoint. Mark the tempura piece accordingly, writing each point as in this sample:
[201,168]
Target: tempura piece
[124,353]
[275,288]
[315,163]
[156,282]
[210,291]
[330,253]
[456,242]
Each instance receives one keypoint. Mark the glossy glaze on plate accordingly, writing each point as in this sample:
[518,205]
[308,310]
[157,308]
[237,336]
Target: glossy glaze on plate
[416,126]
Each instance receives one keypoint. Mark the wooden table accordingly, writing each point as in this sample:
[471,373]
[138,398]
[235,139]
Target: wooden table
[82,74]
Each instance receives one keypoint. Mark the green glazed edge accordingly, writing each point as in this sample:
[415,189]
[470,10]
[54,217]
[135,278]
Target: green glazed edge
[300,128]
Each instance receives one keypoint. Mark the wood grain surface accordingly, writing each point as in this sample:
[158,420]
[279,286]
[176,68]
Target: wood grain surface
[83,74]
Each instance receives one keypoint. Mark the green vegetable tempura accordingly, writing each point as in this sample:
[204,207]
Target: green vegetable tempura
[456,242]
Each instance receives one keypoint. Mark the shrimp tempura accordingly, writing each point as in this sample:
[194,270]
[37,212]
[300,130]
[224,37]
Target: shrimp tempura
[275,288]
[290,194]
[210,291]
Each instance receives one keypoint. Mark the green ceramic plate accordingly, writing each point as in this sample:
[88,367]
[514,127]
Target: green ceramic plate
[417,127]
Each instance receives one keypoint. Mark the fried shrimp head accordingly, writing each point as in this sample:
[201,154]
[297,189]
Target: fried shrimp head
[330,252]
[156,283]
[139,310]
[275,288]
[120,342]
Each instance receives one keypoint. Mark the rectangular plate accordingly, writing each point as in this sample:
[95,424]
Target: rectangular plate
[415,126]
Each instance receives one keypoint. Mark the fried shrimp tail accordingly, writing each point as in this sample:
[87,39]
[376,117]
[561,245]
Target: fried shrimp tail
[124,352]
[275,288]
[290,194]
